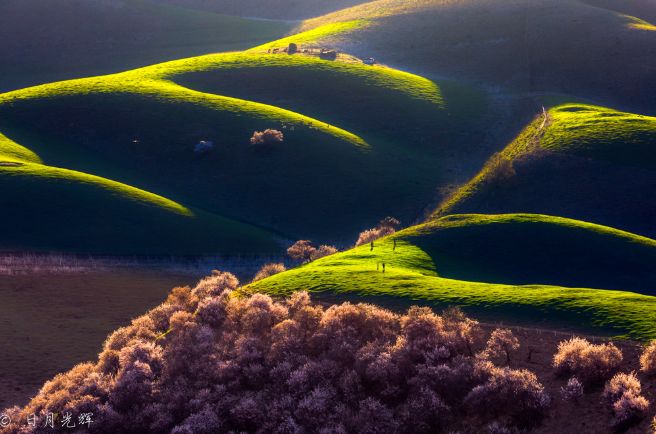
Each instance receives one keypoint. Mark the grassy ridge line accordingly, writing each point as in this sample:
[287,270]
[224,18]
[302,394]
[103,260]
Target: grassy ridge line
[585,130]
[133,81]
[157,80]
[411,276]
[92,214]
[138,82]
[376,10]
[603,134]
[11,151]
[409,84]
[462,220]
[28,164]
[531,134]
[640,24]
[315,35]
[126,191]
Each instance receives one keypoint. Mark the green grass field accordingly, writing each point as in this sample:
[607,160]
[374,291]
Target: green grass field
[443,262]
[585,162]
[344,149]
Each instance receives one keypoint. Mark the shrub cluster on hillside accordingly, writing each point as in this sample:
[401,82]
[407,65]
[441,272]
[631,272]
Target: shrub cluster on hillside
[305,251]
[208,361]
[385,227]
[269,270]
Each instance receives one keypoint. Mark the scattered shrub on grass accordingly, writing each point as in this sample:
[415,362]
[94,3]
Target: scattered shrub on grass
[590,363]
[269,270]
[385,227]
[501,344]
[206,361]
[648,359]
[267,137]
[573,390]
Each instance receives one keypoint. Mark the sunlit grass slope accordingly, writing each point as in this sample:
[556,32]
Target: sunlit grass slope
[521,45]
[44,41]
[48,208]
[507,266]
[583,161]
[347,145]
[351,95]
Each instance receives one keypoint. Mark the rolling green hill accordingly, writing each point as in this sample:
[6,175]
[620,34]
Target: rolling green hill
[582,161]
[350,154]
[49,208]
[568,47]
[44,41]
[512,267]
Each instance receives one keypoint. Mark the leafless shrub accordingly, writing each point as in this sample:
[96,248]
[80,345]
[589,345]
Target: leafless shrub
[573,390]
[389,222]
[267,137]
[590,363]
[301,250]
[269,270]
[628,409]
[648,359]
[621,384]
[385,227]
[323,251]
[304,251]
[501,344]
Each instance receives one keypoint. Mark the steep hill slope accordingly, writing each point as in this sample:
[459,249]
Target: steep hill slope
[581,161]
[523,45]
[344,162]
[48,208]
[478,261]
[45,41]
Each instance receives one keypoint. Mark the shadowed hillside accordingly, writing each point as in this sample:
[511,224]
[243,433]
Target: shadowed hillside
[582,161]
[525,45]
[45,41]
[347,158]
[48,208]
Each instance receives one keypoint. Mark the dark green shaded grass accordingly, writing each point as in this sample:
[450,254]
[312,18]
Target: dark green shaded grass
[44,41]
[49,209]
